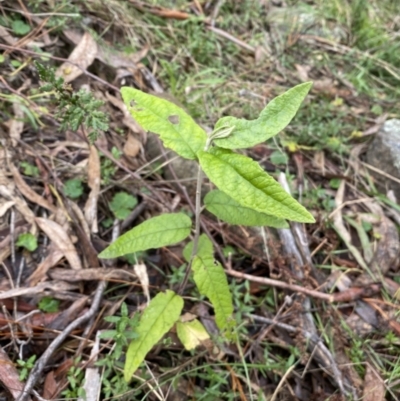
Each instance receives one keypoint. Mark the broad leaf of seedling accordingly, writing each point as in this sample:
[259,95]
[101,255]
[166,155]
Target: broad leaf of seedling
[274,118]
[249,185]
[204,248]
[191,333]
[157,319]
[227,209]
[159,231]
[177,130]
[211,282]
[122,205]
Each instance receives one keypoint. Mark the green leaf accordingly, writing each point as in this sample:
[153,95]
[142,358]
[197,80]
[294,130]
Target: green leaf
[122,205]
[49,304]
[210,279]
[29,169]
[278,157]
[73,188]
[20,27]
[157,319]
[176,129]
[227,209]
[204,248]
[156,232]
[191,333]
[248,184]
[27,241]
[274,118]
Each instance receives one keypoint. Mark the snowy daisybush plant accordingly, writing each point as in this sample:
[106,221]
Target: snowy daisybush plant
[245,195]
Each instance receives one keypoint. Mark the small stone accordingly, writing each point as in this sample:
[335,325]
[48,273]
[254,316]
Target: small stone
[384,154]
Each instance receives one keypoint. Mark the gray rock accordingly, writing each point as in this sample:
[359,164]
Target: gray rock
[304,19]
[384,154]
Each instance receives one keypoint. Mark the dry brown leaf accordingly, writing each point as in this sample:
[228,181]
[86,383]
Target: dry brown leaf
[55,287]
[82,57]
[61,239]
[28,192]
[132,146]
[92,274]
[9,376]
[90,209]
[108,55]
[51,387]
[374,387]
[7,191]
[302,71]
[6,37]
[140,270]
[16,125]
[92,383]
[54,256]
[128,120]
[5,206]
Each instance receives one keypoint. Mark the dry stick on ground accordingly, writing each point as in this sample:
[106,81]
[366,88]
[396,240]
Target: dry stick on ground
[313,338]
[41,363]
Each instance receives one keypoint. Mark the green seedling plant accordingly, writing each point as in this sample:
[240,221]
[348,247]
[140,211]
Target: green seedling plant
[245,195]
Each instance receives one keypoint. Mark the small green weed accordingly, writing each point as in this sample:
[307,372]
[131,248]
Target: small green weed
[113,383]
[27,241]
[75,377]
[75,109]
[122,204]
[25,367]
[49,304]
[107,167]
[29,169]
[73,188]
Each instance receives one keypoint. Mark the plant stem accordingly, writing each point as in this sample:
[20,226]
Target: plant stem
[197,229]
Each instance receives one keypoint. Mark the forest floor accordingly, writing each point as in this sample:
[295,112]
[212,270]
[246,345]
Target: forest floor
[63,199]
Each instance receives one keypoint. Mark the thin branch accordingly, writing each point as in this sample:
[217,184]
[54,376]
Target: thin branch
[280,284]
[40,365]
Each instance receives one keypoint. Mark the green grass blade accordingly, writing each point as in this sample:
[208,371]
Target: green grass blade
[157,319]
[177,130]
[249,185]
[159,231]
[274,118]
[227,209]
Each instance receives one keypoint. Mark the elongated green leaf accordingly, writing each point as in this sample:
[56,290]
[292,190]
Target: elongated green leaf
[156,232]
[157,319]
[211,281]
[204,248]
[274,118]
[248,184]
[177,130]
[227,209]
[191,333]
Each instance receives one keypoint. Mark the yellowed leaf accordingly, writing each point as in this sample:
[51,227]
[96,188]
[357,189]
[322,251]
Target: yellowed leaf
[191,334]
